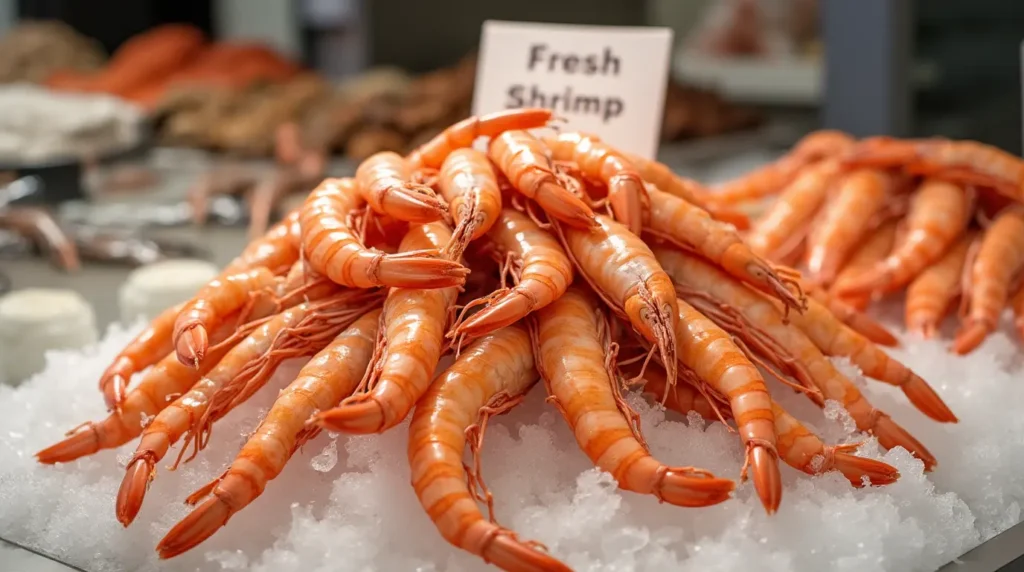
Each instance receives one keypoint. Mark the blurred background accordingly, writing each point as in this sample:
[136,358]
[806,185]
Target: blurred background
[139,131]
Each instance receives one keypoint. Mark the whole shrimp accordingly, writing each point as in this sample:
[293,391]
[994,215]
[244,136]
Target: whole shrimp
[798,446]
[873,250]
[220,297]
[686,225]
[585,390]
[835,339]
[523,159]
[939,214]
[489,377]
[255,356]
[859,197]
[146,349]
[469,184]
[413,339]
[693,192]
[999,260]
[710,352]
[431,155]
[780,230]
[160,385]
[332,247]
[699,277]
[385,182]
[541,269]
[967,163]
[624,273]
[930,296]
[597,160]
[329,376]
[774,176]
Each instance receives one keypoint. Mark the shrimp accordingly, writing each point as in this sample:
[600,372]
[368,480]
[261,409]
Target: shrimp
[710,352]
[523,159]
[586,393]
[681,223]
[999,260]
[833,338]
[333,249]
[661,176]
[541,269]
[432,154]
[624,273]
[384,181]
[773,177]
[967,163]
[780,230]
[469,184]
[489,377]
[413,338]
[798,446]
[939,214]
[332,374]
[220,297]
[257,356]
[874,249]
[597,160]
[146,349]
[761,313]
[930,296]
[860,196]
[155,391]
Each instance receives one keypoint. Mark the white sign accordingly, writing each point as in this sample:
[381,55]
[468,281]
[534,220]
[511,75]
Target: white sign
[605,80]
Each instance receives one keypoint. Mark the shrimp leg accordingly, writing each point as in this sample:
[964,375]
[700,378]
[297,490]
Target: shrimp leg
[333,249]
[1000,259]
[494,372]
[469,184]
[385,182]
[543,272]
[323,381]
[586,393]
[413,339]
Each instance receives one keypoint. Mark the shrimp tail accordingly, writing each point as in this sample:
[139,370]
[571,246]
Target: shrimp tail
[360,414]
[133,488]
[191,345]
[871,330]
[199,525]
[970,337]
[414,202]
[925,399]
[114,381]
[504,311]
[767,479]
[874,280]
[415,270]
[891,435]
[563,205]
[856,468]
[681,487]
[509,553]
[77,444]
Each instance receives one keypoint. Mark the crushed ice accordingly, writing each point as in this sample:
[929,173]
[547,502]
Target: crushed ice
[362,514]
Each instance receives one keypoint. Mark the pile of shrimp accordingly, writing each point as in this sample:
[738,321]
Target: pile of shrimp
[545,258]
[936,220]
